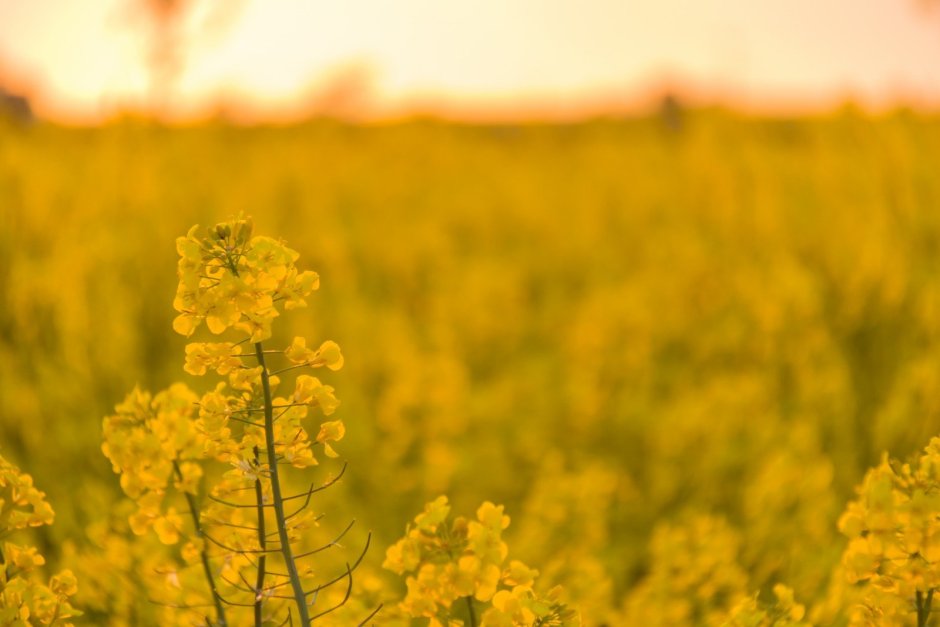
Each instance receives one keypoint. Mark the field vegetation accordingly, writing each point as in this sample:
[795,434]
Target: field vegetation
[674,366]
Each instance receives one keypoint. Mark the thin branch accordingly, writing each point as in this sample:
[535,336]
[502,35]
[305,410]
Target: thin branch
[239,587]
[312,364]
[345,597]
[262,541]
[354,566]
[234,550]
[235,603]
[180,606]
[228,524]
[335,542]
[247,422]
[203,554]
[370,616]
[314,490]
[231,504]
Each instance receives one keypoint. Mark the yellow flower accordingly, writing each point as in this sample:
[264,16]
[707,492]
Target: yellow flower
[218,356]
[25,558]
[168,527]
[328,354]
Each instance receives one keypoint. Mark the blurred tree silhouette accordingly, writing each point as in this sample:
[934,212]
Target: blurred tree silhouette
[175,25]
[166,52]
[15,106]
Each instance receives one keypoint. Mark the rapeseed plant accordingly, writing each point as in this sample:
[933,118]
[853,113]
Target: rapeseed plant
[24,598]
[893,554]
[455,565]
[243,533]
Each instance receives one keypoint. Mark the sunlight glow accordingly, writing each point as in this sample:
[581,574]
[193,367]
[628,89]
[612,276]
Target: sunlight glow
[279,57]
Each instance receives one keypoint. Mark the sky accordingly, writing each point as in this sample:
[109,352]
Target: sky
[86,59]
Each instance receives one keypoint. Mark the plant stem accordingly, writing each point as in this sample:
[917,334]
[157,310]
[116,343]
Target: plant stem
[923,607]
[203,554]
[262,541]
[473,616]
[278,503]
[927,604]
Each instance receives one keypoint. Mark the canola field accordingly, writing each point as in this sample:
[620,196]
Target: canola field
[696,365]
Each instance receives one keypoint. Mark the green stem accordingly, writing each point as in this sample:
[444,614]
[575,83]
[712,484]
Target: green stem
[299,596]
[927,604]
[262,542]
[473,616]
[206,566]
[923,607]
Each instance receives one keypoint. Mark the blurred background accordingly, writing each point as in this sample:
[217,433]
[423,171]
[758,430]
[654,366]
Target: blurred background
[285,59]
[661,277]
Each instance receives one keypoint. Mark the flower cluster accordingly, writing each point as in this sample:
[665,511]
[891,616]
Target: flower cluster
[230,279]
[694,576]
[449,560]
[893,529]
[24,599]
[785,612]
[240,401]
[153,443]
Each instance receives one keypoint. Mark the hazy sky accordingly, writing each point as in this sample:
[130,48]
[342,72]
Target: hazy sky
[85,57]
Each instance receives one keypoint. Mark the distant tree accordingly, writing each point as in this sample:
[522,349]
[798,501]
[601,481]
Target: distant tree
[671,111]
[166,45]
[172,34]
[345,94]
[15,107]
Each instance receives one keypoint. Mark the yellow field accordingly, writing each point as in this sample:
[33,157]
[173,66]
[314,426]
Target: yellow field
[671,354]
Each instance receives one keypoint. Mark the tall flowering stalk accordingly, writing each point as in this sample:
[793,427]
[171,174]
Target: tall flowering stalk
[243,533]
